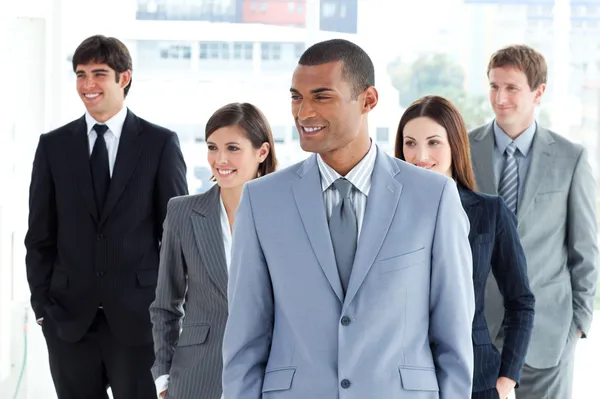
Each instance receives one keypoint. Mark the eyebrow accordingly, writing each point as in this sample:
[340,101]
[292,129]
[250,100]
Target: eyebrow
[93,70]
[231,142]
[427,138]
[314,91]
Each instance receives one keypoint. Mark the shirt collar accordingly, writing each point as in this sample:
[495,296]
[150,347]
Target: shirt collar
[523,142]
[359,176]
[115,124]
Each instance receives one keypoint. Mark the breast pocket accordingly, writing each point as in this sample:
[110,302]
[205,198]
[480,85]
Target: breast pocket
[402,261]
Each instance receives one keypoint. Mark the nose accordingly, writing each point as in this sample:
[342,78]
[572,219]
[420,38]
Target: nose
[305,111]
[501,96]
[422,154]
[222,158]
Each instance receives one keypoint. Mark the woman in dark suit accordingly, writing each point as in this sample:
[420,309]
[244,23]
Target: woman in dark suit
[190,309]
[432,135]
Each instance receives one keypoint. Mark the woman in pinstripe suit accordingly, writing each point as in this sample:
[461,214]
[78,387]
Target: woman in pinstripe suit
[190,309]
[432,134]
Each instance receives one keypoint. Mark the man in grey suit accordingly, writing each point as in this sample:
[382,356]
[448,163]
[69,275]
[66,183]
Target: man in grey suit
[351,271]
[546,180]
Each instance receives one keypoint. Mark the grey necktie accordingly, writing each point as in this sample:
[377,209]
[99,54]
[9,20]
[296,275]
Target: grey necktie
[343,228]
[509,183]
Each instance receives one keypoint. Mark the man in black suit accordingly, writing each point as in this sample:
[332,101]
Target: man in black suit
[98,197]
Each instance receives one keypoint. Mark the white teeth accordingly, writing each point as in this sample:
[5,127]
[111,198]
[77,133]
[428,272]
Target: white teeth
[92,95]
[313,129]
[225,172]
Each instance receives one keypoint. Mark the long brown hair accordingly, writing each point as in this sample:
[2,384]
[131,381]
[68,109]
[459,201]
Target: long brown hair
[444,113]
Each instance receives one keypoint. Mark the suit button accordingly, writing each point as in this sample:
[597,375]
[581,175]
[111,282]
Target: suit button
[99,274]
[345,384]
[345,320]
[99,237]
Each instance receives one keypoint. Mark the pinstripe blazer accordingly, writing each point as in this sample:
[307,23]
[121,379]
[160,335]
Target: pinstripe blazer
[495,245]
[190,309]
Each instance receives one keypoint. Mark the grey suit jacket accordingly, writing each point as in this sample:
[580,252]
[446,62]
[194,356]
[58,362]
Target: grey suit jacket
[190,309]
[403,329]
[557,227]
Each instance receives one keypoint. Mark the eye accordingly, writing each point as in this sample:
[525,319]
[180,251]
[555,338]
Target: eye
[322,97]
[295,97]
[434,143]
[409,143]
[212,147]
[233,148]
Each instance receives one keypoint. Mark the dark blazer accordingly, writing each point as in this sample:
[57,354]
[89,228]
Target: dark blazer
[78,259]
[495,245]
[190,309]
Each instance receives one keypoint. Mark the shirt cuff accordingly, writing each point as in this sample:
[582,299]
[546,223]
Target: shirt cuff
[162,383]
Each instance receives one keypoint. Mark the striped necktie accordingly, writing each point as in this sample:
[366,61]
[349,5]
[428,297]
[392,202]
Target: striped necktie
[509,183]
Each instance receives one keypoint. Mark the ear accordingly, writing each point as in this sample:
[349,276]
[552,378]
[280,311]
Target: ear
[539,92]
[370,99]
[124,78]
[263,152]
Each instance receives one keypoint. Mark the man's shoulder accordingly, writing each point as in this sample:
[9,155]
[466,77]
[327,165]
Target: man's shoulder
[478,130]
[64,130]
[280,178]
[152,128]
[565,146]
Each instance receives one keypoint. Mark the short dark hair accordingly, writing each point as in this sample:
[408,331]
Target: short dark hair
[445,114]
[253,122]
[104,50]
[526,59]
[357,66]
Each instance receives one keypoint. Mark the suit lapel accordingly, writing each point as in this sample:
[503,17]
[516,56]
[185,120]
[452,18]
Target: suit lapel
[384,195]
[542,154]
[128,153]
[79,158]
[468,201]
[309,200]
[208,234]
[482,151]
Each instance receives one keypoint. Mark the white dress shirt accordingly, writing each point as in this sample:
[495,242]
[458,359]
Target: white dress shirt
[359,176]
[112,135]
[162,382]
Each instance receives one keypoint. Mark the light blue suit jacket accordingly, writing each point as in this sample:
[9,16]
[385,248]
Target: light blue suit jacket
[403,329]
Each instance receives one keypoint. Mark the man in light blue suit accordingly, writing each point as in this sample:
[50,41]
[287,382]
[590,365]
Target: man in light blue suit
[351,272]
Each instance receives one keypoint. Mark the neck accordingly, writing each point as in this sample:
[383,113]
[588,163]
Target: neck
[343,160]
[517,129]
[231,199]
[102,117]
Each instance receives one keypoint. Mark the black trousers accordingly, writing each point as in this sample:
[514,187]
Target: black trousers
[487,394]
[85,369]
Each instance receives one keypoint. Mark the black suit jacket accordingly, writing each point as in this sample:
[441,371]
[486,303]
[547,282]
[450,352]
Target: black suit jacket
[495,246]
[77,259]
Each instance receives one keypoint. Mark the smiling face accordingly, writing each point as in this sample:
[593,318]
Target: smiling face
[512,100]
[425,144]
[101,90]
[328,115]
[232,158]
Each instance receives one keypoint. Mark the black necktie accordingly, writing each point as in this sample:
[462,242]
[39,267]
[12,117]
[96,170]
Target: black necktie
[99,167]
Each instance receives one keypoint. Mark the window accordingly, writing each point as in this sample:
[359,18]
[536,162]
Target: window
[299,49]
[270,51]
[382,134]
[278,133]
[291,7]
[328,10]
[176,51]
[263,6]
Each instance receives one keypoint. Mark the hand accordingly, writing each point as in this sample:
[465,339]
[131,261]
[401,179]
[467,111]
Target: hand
[163,394]
[580,333]
[504,385]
